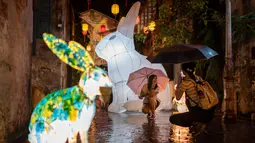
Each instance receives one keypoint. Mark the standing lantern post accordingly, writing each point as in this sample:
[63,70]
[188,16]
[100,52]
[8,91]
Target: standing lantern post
[85,28]
[229,103]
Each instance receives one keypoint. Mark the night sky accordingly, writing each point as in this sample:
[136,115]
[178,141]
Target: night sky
[103,6]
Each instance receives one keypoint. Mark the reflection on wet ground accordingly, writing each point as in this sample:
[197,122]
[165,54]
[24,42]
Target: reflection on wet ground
[131,127]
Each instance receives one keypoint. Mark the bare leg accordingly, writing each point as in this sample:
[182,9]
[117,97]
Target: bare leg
[152,105]
[73,139]
[146,110]
[84,136]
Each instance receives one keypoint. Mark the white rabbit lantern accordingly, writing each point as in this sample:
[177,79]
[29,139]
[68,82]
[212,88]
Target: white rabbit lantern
[122,59]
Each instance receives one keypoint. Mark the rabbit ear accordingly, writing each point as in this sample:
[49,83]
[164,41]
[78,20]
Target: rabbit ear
[126,27]
[65,53]
[81,52]
[120,25]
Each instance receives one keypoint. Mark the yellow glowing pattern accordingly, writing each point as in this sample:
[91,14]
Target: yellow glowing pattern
[180,134]
[78,48]
[152,25]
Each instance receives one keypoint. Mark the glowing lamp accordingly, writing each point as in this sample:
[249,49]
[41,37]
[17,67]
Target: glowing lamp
[137,19]
[152,26]
[84,32]
[85,27]
[88,47]
[115,9]
[102,28]
[146,30]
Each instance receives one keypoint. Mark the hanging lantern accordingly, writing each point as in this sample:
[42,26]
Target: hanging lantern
[126,3]
[88,47]
[115,9]
[85,27]
[137,19]
[102,28]
[89,2]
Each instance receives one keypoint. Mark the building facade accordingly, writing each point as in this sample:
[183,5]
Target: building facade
[244,64]
[49,73]
[95,20]
[16,23]
[25,61]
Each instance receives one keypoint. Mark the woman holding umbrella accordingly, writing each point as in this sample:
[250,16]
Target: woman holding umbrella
[196,117]
[149,93]
[147,83]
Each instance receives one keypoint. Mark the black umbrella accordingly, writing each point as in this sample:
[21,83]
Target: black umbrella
[181,53]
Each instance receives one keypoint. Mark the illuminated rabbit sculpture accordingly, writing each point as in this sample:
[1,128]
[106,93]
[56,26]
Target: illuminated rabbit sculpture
[62,114]
[122,59]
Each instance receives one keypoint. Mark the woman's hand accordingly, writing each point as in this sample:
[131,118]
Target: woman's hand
[175,86]
[153,93]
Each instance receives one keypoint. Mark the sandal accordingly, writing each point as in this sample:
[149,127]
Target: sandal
[200,127]
[152,117]
[149,115]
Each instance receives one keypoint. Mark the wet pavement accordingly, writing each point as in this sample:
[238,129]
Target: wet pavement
[133,127]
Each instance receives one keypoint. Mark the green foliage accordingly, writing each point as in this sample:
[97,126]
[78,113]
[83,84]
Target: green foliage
[213,72]
[140,37]
[174,22]
[175,25]
[139,41]
[190,8]
[243,26]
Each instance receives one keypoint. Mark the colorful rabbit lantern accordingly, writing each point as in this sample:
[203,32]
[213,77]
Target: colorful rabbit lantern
[62,114]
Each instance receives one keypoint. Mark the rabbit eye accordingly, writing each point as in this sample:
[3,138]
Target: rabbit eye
[111,38]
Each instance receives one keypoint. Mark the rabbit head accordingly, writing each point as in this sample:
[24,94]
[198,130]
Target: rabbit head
[93,80]
[77,57]
[121,40]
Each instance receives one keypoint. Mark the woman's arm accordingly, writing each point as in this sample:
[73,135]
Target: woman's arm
[143,92]
[153,92]
[179,91]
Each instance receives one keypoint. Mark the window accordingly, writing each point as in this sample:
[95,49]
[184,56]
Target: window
[43,17]
[253,53]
